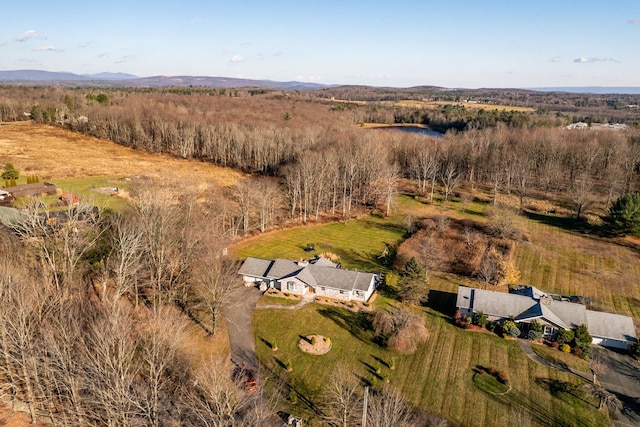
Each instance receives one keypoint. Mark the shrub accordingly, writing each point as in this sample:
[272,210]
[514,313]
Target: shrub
[289,365]
[502,376]
[492,326]
[565,348]
[534,335]
[535,330]
[582,337]
[578,352]
[481,319]
[274,345]
[564,336]
[327,340]
[510,328]
[314,340]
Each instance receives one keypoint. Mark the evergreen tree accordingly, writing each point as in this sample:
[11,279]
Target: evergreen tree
[624,216]
[412,286]
[10,172]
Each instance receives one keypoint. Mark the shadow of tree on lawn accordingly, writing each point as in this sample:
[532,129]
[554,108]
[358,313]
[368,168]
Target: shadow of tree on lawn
[357,323]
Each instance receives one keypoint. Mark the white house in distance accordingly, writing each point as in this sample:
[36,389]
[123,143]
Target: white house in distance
[529,303]
[319,276]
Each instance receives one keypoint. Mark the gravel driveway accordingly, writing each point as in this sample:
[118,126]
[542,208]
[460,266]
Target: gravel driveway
[238,314]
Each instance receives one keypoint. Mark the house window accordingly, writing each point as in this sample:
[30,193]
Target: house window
[358,293]
[341,292]
[322,288]
[291,286]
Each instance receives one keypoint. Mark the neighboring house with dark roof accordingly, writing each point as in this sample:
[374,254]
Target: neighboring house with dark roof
[529,304]
[35,189]
[319,276]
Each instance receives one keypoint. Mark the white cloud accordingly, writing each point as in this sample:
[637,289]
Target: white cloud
[124,59]
[27,35]
[245,43]
[103,54]
[584,60]
[634,21]
[555,59]
[47,49]
[238,58]
[195,22]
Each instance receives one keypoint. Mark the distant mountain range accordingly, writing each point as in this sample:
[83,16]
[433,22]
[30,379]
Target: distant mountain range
[598,90]
[48,78]
[39,78]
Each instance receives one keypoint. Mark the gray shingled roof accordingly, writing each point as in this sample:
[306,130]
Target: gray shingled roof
[500,304]
[465,295]
[566,315]
[320,273]
[571,313]
[283,268]
[608,325]
[255,267]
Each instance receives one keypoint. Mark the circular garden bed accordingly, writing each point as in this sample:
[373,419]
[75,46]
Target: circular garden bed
[314,344]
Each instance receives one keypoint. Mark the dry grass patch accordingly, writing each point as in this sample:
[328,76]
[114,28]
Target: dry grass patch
[571,263]
[55,153]
[470,105]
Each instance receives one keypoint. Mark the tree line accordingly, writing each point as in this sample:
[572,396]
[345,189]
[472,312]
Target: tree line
[96,317]
[320,163]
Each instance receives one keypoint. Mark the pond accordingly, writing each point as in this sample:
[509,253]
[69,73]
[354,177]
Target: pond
[414,129]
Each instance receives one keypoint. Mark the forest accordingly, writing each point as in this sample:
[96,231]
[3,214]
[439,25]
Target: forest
[309,158]
[93,306]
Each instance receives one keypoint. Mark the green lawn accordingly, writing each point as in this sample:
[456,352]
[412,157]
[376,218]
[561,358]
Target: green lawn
[271,300]
[438,377]
[358,243]
[556,356]
[84,186]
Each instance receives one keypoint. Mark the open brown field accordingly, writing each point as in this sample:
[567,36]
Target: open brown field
[437,104]
[471,105]
[53,153]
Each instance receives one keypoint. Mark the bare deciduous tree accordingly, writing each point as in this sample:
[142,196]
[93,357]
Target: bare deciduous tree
[342,399]
[388,408]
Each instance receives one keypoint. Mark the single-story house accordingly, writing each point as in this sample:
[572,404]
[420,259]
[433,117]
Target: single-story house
[5,198]
[35,189]
[318,275]
[554,314]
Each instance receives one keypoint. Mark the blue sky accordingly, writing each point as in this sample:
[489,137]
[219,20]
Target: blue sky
[398,43]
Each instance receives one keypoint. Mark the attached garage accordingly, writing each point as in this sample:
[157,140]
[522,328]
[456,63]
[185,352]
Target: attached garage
[611,330]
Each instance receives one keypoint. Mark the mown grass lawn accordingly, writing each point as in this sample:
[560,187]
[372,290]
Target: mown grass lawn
[572,263]
[438,377]
[358,243]
[556,356]
[85,186]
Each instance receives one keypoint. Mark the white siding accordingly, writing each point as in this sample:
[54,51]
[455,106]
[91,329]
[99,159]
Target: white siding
[292,286]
